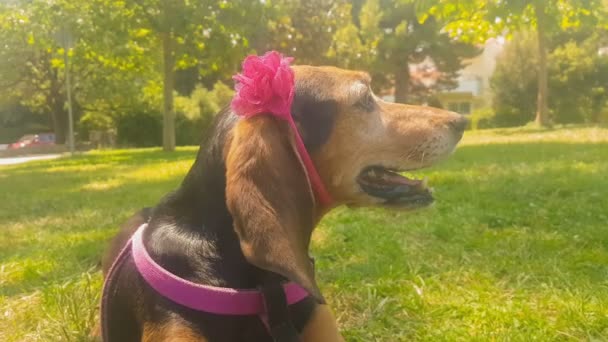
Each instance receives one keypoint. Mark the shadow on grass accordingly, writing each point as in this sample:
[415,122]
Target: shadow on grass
[58,187]
[55,225]
[109,158]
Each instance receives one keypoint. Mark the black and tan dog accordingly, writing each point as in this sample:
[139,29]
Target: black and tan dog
[245,212]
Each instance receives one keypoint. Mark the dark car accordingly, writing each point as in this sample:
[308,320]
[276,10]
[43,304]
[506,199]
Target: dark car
[31,140]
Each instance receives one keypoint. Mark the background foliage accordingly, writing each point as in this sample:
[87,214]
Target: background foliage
[578,81]
[158,60]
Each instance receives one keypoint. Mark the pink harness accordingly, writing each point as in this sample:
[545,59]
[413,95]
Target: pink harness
[266,87]
[211,299]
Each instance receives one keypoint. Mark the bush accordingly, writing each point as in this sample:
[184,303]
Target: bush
[514,82]
[16,121]
[577,77]
[195,113]
[603,116]
[482,118]
[141,129]
[94,121]
[188,131]
[577,82]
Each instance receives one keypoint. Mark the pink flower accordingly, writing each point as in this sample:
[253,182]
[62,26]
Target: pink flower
[266,85]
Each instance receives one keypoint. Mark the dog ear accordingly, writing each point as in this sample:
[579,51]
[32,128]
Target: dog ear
[270,199]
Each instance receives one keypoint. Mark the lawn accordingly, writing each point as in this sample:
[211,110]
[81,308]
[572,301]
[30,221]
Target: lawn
[515,248]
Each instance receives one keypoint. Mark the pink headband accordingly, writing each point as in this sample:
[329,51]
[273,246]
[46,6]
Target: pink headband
[267,86]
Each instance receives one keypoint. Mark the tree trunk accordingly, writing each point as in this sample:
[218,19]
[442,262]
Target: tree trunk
[402,80]
[542,112]
[60,123]
[55,103]
[168,85]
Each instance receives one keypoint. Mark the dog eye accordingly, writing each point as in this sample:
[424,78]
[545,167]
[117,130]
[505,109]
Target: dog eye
[367,102]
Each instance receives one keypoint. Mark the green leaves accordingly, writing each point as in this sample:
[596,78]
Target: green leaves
[577,76]
[117,51]
[116,57]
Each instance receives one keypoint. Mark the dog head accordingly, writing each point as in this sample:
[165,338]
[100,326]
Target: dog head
[364,142]
[358,144]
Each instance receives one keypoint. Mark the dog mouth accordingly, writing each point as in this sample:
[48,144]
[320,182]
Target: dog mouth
[394,188]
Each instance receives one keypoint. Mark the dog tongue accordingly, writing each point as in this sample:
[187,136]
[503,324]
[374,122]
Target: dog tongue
[391,185]
[399,179]
[395,178]
[384,177]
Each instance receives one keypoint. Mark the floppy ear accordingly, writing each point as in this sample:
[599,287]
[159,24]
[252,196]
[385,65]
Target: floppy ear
[270,199]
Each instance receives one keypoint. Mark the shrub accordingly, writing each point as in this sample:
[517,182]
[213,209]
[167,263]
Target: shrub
[195,113]
[577,82]
[139,128]
[94,121]
[482,118]
[603,116]
[188,131]
[514,82]
[577,77]
[16,121]
[143,127]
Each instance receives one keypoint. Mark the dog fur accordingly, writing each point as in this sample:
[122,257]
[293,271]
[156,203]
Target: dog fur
[245,211]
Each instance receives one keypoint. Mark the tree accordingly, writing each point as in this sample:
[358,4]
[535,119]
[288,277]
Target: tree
[302,29]
[388,35]
[116,65]
[548,18]
[26,63]
[204,37]
[33,69]
[483,18]
[577,79]
[355,43]
[514,82]
[187,32]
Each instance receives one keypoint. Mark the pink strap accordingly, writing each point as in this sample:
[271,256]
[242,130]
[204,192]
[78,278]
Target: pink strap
[217,300]
[266,86]
[315,180]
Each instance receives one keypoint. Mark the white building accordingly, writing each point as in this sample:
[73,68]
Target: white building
[473,90]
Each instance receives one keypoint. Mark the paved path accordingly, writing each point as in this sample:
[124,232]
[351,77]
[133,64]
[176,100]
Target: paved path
[19,160]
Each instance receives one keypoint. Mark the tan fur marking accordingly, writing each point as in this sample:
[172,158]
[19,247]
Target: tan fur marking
[269,198]
[321,327]
[392,135]
[171,331]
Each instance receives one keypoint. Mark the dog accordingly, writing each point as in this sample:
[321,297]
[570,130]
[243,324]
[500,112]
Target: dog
[244,214]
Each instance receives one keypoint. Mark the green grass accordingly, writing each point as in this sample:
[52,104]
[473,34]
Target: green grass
[516,247]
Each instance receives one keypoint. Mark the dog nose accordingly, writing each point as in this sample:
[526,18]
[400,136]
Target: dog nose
[459,124]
